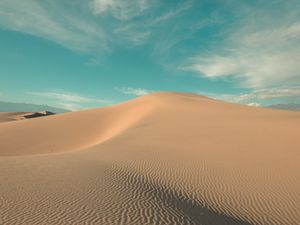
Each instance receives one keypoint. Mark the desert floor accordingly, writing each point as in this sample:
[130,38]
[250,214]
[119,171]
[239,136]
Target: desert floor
[164,158]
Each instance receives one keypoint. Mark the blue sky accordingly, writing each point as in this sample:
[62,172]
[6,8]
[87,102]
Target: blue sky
[81,54]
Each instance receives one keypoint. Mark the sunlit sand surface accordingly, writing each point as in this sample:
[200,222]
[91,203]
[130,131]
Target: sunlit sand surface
[164,158]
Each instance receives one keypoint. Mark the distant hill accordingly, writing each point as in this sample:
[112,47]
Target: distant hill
[24,107]
[290,106]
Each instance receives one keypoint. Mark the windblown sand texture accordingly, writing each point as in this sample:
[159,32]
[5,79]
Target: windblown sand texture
[164,158]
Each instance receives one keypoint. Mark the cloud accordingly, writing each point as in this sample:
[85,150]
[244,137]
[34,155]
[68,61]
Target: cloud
[254,104]
[93,26]
[220,96]
[69,106]
[268,94]
[184,28]
[260,51]
[147,28]
[55,21]
[134,91]
[68,100]
[286,106]
[70,97]
[130,33]
[171,13]
[101,26]
[261,97]
[119,9]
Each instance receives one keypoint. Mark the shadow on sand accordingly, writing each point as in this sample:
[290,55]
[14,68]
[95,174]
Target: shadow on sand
[171,203]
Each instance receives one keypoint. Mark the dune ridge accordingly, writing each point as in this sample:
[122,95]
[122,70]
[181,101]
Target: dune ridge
[70,131]
[164,158]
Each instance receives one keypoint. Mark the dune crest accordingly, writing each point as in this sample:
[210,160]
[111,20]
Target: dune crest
[164,158]
[69,131]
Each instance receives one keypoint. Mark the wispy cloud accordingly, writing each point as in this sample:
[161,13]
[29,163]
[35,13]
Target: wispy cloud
[55,21]
[99,26]
[70,97]
[260,51]
[93,26]
[260,97]
[71,101]
[291,93]
[154,19]
[134,91]
[171,13]
[182,27]
[132,34]
[119,9]
[254,104]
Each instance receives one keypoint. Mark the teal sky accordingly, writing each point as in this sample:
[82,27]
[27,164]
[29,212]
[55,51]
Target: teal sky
[81,54]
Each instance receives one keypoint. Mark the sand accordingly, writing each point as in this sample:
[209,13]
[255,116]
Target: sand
[15,116]
[164,158]
[11,116]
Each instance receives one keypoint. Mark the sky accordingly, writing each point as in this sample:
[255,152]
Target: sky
[78,54]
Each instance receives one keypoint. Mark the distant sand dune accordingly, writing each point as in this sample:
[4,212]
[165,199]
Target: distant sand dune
[15,116]
[165,158]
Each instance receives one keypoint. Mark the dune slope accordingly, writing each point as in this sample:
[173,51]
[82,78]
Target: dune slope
[164,158]
[15,116]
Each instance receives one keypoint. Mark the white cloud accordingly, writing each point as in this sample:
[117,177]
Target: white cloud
[120,9]
[98,26]
[71,101]
[254,104]
[172,13]
[134,91]
[54,21]
[260,51]
[70,97]
[156,19]
[100,6]
[70,106]
[267,94]
[83,26]
[139,31]
[130,33]
[220,96]
[289,94]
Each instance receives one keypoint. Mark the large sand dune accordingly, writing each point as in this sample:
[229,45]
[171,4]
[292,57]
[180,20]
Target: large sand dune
[164,158]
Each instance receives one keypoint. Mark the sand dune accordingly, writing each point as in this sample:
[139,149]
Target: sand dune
[13,116]
[164,158]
